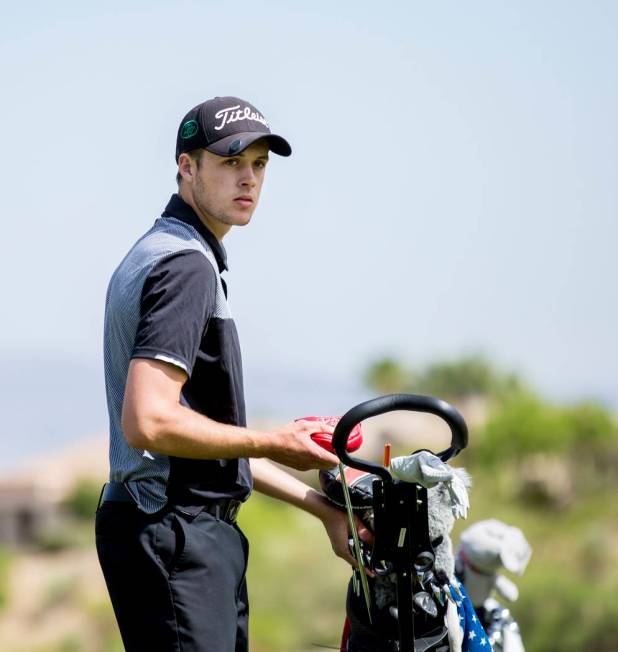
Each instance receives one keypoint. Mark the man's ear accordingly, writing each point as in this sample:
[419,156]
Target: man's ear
[186,167]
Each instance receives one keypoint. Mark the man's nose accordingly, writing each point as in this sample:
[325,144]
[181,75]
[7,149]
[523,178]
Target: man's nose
[248,177]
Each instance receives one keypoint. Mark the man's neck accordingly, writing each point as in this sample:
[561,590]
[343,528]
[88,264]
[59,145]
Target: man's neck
[218,229]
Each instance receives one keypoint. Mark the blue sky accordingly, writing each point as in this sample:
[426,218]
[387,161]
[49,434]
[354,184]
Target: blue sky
[452,189]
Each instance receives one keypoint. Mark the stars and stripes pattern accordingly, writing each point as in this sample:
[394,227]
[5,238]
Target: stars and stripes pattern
[474,636]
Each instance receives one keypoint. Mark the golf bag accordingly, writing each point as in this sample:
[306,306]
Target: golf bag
[412,603]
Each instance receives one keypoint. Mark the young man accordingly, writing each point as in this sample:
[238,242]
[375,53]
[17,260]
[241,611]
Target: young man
[182,459]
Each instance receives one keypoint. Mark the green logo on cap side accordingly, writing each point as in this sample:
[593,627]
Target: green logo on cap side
[188,129]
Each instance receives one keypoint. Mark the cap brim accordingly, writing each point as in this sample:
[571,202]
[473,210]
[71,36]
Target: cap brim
[236,143]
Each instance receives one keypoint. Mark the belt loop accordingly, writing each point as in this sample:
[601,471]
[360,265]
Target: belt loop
[218,512]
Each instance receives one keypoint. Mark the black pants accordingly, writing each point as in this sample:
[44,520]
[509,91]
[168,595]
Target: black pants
[176,582]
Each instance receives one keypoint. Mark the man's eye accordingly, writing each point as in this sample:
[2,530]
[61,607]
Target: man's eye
[231,162]
[260,164]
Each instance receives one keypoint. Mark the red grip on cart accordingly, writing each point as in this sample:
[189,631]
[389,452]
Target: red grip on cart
[324,439]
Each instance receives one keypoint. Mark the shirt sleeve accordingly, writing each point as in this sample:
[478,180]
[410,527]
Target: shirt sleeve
[178,298]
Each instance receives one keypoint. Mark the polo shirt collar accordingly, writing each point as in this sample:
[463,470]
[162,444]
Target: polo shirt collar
[177,207]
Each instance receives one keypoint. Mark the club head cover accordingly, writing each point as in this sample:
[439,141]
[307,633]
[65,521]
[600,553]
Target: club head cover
[429,470]
[325,439]
[491,544]
[360,486]
[507,589]
[421,467]
[453,625]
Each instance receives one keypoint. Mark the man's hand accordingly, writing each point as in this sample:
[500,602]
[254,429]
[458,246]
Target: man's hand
[338,529]
[292,445]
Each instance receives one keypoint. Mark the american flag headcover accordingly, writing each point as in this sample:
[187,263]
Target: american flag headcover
[474,636]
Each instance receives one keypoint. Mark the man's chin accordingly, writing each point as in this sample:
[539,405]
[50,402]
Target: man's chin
[241,219]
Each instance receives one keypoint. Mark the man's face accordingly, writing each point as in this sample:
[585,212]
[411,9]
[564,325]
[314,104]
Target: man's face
[225,191]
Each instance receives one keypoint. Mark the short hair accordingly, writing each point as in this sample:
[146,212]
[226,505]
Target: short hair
[196,155]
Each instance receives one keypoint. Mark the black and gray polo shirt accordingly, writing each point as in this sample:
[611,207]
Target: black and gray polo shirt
[167,301]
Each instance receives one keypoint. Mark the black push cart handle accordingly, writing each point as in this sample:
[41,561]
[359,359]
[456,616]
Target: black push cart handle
[391,403]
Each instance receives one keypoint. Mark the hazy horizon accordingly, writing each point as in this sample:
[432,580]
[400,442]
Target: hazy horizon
[452,187]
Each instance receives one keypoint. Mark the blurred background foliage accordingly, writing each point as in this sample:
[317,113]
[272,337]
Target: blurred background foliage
[550,470]
[5,564]
[546,468]
[471,375]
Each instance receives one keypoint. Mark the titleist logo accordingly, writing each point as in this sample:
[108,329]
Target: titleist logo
[235,113]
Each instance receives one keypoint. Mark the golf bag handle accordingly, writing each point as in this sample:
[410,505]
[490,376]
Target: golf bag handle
[391,403]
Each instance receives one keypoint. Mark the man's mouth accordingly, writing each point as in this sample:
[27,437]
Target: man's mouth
[244,200]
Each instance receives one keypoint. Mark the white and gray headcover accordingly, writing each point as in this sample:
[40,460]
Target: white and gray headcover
[447,495]
[485,547]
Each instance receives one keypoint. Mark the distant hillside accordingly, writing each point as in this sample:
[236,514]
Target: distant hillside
[46,404]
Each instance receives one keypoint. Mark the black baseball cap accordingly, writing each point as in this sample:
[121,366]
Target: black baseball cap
[226,126]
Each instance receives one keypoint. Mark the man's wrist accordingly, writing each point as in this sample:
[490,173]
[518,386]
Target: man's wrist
[260,443]
[318,505]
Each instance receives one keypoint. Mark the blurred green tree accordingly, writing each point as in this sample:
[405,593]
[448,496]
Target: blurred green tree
[83,498]
[6,557]
[522,423]
[469,376]
[591,424]
[388,376]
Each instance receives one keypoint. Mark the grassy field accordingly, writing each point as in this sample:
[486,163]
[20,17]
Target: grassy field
[55,600]
[567,595]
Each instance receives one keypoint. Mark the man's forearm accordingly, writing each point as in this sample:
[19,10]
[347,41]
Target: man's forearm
[182,432]
[269,479]
[272,481]
[190,434]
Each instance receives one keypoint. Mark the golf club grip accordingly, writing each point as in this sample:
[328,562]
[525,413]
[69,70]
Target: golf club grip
[391,403]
